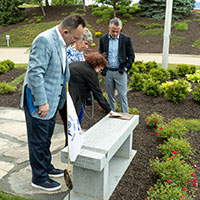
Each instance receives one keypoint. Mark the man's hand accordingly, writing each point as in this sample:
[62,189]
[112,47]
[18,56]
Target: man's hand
[43,110]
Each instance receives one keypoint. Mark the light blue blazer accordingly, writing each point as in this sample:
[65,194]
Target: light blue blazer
[44,75]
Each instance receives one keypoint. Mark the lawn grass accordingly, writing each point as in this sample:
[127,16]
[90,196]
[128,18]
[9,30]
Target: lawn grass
[17,81]
[23,36]
[192,124]
[21,66]
[6,196]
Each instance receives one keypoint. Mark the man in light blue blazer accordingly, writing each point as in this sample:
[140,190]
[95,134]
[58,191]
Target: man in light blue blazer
[44,91]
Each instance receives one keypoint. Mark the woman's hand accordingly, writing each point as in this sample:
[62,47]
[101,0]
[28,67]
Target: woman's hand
[115,114]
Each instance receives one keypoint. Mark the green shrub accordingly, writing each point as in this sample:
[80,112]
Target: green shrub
[159,74]
[8,63]
[180,26]
[194,77]
[153,32]
[151,65]
[152,87]
[184,69]
[99,21]
[137,81]
[3,69]
[176,40]
[153,120]
[98,34]
[173,129]
[196,94]
[38,20]
[141,67]
[176,147]
[177,90]
[64,14]
[26,20]
[172,73]
[5,88]
[167,191]
[133,111]
[156,8]
[172,170]
[10,13]
[197,43]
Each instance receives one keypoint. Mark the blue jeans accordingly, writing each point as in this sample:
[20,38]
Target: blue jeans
[115,80]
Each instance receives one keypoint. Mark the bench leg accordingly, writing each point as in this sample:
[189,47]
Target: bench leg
[125,151]
[93,184]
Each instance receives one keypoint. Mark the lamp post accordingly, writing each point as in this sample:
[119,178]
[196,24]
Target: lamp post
[167,33]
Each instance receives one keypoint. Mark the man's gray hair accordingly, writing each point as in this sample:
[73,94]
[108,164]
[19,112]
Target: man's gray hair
[116,21]
[87,35]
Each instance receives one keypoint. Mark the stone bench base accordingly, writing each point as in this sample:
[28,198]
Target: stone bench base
[103,159]
[117,168]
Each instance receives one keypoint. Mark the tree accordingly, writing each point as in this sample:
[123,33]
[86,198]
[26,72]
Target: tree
[156,8]
[10,13]
[47,3]
[114,4]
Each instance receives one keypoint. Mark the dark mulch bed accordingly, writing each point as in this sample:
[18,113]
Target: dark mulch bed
[139,176]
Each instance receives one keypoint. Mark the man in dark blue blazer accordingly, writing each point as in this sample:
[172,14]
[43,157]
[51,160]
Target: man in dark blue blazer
[44,92]
[117,47]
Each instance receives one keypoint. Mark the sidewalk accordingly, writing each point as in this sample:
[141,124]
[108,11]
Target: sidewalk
[15,171]
[20,55]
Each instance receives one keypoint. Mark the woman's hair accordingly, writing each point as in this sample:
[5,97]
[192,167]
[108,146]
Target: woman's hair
[87,35]
[96,59]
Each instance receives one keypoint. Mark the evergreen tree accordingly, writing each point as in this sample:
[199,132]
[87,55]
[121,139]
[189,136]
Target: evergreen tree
[156,8]
[10,13]
[114,4]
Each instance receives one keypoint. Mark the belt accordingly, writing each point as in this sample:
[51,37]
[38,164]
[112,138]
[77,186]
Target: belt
[113,69]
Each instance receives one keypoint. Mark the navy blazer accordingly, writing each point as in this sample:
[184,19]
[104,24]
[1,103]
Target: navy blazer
[126,52]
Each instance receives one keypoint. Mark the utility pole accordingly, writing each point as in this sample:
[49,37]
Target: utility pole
[167,33]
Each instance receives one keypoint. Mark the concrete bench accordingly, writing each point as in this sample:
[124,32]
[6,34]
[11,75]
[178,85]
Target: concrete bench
[104,158]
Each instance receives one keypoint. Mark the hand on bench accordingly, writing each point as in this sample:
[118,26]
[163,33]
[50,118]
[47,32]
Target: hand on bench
[115,114]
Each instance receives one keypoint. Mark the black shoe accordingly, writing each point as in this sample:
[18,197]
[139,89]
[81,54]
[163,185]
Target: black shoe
[56,173]
[49,185]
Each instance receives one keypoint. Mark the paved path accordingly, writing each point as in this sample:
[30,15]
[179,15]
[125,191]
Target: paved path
[20,55]
[15,171]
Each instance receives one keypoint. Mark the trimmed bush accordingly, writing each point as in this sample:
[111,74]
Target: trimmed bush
[152,87]
[172,170]
[184,69]
[196,94]
[172,129]
[137,81]
[167,191]
[176,147]
[153,120]
[177,90]
[5,88]
[159,74]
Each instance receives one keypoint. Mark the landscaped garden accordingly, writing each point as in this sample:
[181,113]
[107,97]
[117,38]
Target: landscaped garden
[167,163]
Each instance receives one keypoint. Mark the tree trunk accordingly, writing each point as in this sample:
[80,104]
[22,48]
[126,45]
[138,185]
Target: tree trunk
[42,8]
[114,9]
[47,3]
[84,8]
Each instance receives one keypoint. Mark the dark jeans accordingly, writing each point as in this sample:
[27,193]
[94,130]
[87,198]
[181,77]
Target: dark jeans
[39,134]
